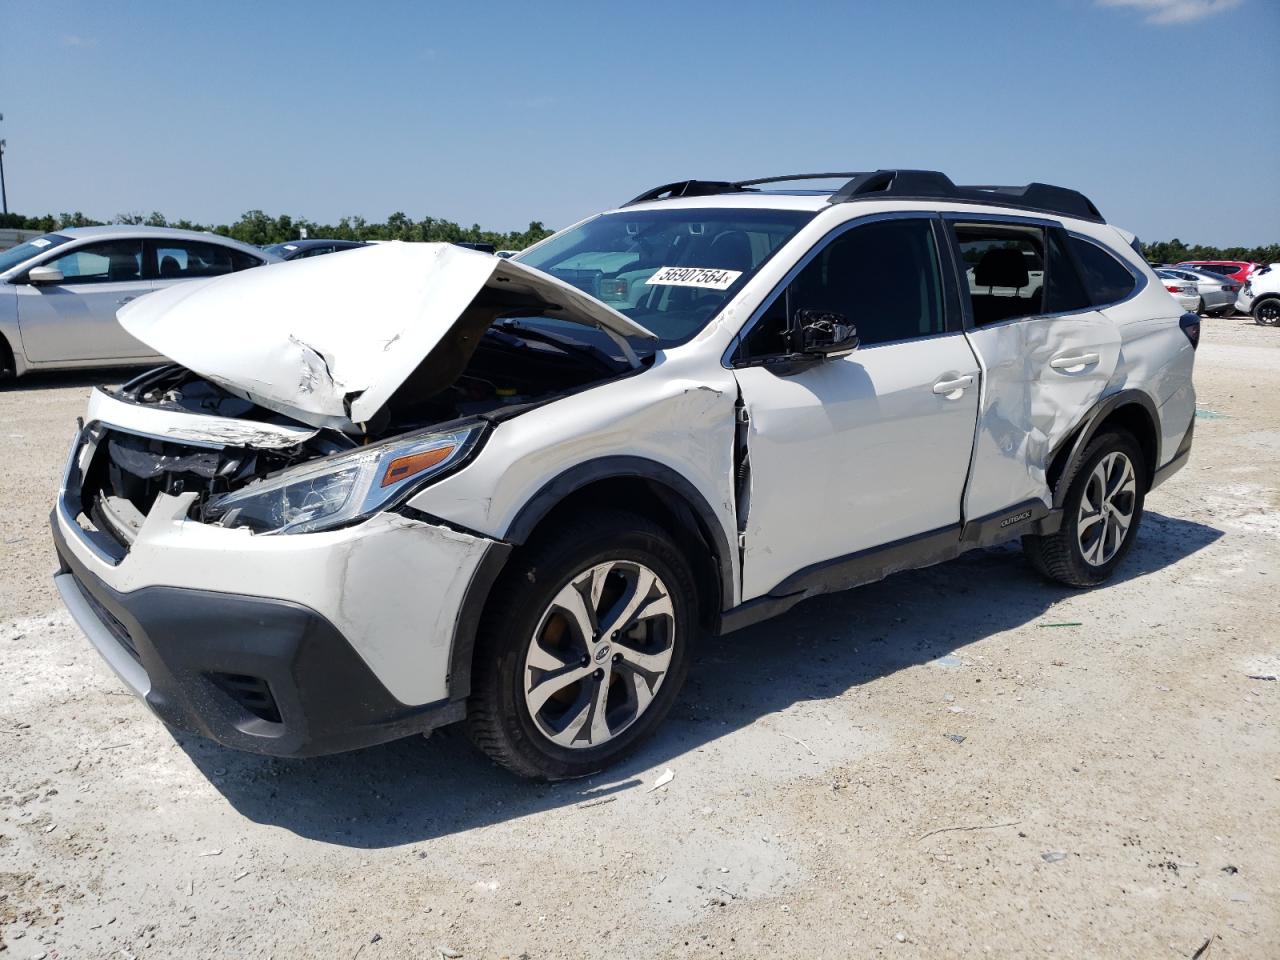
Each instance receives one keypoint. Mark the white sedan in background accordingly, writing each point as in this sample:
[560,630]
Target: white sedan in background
[59,293]
[1217,292]
[1182,290]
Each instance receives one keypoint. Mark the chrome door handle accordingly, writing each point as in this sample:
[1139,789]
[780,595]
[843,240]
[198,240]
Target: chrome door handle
[944,387]
[1066,363]
[123,300]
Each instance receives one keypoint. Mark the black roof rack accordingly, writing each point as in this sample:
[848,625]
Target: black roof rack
[903,185]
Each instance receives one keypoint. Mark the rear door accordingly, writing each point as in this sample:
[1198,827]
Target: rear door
[76,319]
[1047,354]
[856,452]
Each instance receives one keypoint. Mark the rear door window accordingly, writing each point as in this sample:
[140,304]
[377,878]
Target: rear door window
[188,259]
[1004,270]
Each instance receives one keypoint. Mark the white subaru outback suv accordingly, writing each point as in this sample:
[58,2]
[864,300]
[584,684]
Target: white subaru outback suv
[417,484]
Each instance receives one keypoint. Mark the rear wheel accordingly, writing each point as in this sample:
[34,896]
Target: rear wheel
[1200,307]
[1101,513]
[584,648]
[1267,312]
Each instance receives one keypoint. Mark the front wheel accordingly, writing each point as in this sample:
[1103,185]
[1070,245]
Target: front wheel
[1101,513]
[1266,312]
[584,648]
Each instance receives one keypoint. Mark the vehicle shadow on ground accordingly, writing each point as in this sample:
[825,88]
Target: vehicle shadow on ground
[415,790]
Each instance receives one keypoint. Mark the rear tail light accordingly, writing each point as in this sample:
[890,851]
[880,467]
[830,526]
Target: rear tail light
[1172,287]
[1190,325]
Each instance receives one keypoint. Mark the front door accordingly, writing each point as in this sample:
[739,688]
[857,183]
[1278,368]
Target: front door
[865,450]
[76,319]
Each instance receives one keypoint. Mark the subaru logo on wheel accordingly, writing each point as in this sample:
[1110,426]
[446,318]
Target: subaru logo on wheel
[602,653]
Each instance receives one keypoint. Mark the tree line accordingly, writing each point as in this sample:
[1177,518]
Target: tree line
[260,228]
[1175,251]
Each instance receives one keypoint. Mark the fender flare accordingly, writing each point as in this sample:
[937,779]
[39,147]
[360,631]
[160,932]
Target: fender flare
[1094,419]
[629,467]
[681,495]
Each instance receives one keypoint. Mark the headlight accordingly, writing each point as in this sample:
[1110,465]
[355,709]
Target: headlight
[340,489]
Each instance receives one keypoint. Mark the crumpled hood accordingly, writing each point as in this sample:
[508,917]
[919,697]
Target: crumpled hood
[328,340]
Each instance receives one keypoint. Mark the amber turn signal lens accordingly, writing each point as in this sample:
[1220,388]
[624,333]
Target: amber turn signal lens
[402,467]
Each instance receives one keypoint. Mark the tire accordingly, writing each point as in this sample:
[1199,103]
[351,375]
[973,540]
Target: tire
[1200,308]
[529,643]
[1266,312]
[1072,555]
[7,368]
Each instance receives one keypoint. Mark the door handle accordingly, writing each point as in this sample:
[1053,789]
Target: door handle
[1066,363]
[123,300]
[944,387]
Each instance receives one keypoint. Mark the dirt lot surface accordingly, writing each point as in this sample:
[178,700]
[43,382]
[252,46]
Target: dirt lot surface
[959,761]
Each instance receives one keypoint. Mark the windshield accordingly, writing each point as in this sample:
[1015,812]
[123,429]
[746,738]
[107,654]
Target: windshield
[281,250]
[32,248]
[669,270]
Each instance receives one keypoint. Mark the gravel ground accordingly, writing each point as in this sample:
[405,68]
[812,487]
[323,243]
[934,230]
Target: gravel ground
[939,765]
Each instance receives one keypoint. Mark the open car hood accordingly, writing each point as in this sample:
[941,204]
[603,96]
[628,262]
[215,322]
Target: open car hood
[329,341]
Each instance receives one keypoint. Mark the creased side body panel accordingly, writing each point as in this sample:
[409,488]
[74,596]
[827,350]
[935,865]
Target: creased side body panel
[1029,405]
[679,415]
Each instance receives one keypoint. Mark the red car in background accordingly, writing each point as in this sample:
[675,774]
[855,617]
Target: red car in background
[1239,270]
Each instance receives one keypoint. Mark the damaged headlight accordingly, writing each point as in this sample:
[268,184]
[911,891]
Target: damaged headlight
[340,489]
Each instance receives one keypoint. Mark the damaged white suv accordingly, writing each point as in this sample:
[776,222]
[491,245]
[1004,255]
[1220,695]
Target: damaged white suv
[417,484]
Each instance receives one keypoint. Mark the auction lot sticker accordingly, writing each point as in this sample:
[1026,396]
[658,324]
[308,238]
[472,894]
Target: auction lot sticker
[708,278]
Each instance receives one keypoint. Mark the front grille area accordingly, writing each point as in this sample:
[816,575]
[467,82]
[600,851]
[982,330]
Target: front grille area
[117,629]
[252,693]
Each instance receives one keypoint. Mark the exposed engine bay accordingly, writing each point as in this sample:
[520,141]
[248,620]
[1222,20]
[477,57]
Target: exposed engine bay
[517,364]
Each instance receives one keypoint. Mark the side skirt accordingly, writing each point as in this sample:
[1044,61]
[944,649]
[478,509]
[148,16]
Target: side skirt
[876,563]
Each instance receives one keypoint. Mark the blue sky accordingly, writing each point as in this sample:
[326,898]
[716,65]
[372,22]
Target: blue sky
[1166,112]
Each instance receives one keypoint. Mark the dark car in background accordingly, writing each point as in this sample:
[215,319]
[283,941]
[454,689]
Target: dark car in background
[297,249]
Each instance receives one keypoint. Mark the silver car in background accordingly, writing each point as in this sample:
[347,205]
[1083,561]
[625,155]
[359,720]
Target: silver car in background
[1217,293]
[1184,291]
[59,293]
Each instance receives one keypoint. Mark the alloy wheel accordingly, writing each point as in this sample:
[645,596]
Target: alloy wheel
[601,650]
[1268,313]
[1106,509]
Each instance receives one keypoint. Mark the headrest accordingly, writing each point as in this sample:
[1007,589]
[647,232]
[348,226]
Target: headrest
[1001,267]
[730,250]
[123,266]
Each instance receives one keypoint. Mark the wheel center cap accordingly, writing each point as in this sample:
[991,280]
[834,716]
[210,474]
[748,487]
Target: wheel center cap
[602,653]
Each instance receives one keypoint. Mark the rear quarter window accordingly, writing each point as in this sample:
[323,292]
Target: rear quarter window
[1105,278]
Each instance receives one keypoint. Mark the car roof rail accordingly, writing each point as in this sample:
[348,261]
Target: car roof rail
[902,185]
[932,185]
[686,188]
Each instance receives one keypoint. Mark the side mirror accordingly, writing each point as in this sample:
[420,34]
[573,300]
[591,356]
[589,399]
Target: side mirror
[824,334]
[44,275]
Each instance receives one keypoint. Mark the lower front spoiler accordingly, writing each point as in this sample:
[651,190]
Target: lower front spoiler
[256,674]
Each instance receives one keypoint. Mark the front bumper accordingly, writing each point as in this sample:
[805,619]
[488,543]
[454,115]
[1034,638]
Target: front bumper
[288,645]
[257,674]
